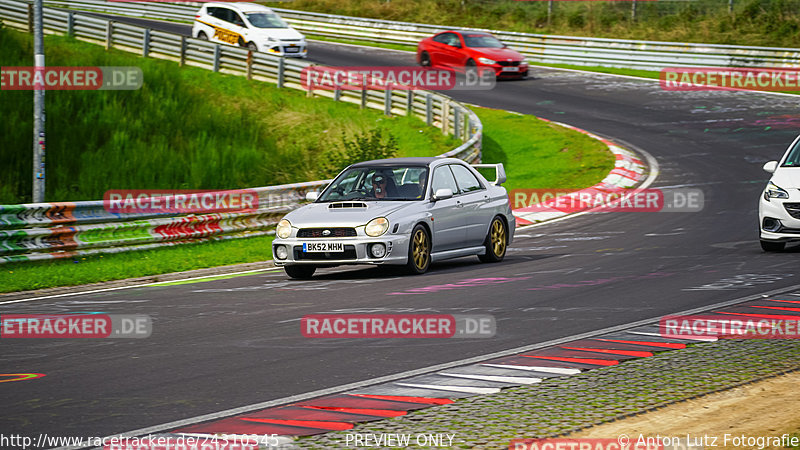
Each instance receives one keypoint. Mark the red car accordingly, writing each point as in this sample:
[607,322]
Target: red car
[463,49]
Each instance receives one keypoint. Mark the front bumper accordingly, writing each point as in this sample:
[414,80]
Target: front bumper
[522,71]
[356,251]
[775,222]
[285,49]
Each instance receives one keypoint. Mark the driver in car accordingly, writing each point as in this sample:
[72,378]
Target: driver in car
[381,186]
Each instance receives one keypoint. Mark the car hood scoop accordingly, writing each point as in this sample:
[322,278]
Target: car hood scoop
[342,205]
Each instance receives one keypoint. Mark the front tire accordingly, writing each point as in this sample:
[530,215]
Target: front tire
[419,251]
[425,59]
[496,242]
[772,246]
[299,272]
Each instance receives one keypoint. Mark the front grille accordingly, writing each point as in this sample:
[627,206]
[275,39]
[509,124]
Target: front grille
[319,232]
[348,253]
[508,63]
[793,209]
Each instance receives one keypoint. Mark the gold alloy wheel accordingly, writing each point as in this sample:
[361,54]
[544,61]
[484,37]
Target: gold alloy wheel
[420,252]
[498,238]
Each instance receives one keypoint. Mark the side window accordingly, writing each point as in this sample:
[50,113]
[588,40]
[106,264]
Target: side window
[466,180]
[442,38]
[450,39]
[443,179]
[226,14]
[236,19]
[453,40]
[213,12]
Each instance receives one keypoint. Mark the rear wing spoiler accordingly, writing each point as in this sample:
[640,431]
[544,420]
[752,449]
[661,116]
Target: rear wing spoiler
[499,172]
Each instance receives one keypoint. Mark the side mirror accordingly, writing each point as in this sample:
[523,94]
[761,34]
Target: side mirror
[442,194]
[771,166]
[312,196]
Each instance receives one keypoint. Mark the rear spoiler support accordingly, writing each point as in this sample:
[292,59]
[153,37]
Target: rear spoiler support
[499,172]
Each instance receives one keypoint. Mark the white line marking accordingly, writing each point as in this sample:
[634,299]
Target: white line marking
[689,338]
[95,291]
[501,379]
[557,370]
[464,389]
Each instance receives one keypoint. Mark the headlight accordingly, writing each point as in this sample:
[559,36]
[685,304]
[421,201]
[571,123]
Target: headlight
[377,227]
[284,229]
[486,61]
[773,191]
[524,61]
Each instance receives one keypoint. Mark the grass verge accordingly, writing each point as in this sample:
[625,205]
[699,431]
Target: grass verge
[750,22]
[536,154]
[117,266]
[186,128]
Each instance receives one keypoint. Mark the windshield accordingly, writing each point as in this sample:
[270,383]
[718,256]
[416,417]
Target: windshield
[482,41]
[793,160]
[266,20]
[390,183]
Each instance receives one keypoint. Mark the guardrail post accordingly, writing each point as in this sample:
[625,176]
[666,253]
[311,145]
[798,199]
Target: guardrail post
[387,101]
[363,95]
[467,126]
[337,94]
[109,34]
[428,109]
[146,43]
[633,11]
[70,23]
[30,18]
[249,72]
[281,67]
[410,102]
[457,122]
[183,51]
[217,53]
[445,116]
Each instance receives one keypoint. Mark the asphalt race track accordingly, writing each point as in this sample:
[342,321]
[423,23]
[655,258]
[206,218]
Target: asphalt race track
[233,342]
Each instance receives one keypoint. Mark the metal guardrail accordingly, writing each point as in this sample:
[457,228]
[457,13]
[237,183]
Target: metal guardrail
[621,53]
[65,229]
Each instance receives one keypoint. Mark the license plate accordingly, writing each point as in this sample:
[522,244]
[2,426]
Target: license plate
[510,69]
[324,246]
[292,49]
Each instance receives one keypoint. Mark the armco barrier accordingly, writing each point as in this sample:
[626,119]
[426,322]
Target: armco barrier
[623,53]
[62,230]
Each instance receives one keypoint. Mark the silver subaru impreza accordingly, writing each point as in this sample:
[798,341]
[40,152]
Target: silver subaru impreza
[402,211]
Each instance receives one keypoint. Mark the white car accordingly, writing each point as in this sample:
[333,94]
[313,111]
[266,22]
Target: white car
[779,208]
[248,25]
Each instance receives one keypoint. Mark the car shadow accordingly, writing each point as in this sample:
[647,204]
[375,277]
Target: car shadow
[452,265]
